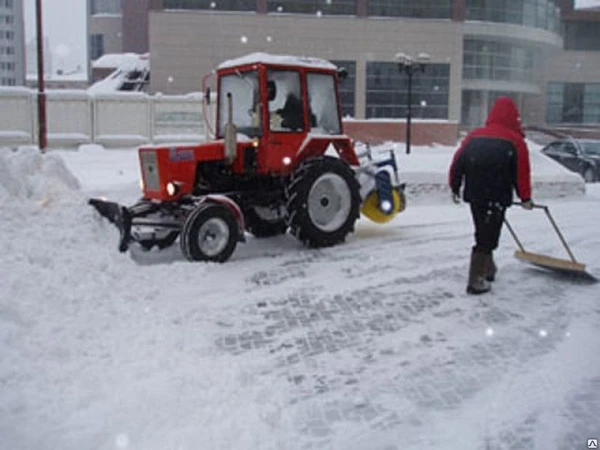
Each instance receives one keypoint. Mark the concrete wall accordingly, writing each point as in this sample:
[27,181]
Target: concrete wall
[75,117]
[186,45]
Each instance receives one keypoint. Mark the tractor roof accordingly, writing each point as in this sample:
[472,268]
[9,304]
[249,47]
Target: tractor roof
[286,60]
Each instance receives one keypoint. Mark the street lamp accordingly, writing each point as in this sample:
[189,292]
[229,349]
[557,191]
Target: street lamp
[410,66]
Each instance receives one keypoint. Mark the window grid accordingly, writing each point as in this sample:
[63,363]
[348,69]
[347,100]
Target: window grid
[573,103]
[544,14]
[425,9]
[341,7]
[347,87]
[490,60]
[387,91]
[214,5]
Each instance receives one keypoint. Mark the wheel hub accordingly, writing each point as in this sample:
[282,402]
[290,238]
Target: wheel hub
[329,202]
[213,236]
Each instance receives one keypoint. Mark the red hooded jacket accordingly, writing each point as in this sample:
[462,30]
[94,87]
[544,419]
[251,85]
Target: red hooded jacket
[493,159]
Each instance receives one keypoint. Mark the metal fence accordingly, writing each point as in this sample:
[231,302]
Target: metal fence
[112,120]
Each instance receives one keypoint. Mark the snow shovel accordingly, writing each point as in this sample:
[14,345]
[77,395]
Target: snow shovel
[567,266]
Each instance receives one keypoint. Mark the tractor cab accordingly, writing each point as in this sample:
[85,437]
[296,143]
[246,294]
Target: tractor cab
[284,105]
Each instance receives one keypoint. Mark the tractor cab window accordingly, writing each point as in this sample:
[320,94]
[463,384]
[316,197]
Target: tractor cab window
[322,101]
[286,111]
[245,96]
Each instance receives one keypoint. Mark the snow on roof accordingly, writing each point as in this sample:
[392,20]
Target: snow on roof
[266,58]
[123,61]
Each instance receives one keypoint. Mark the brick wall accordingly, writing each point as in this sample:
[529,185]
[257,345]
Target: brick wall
[422,133]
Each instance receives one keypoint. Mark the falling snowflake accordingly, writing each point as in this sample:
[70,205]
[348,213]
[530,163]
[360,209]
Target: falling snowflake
[122,441]
[269,39]
[244,39]
[213,5]
[319,13]
[489,332]
[543,333]
[279,8]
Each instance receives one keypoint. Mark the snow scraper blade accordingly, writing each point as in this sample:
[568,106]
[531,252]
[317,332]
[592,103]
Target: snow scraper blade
[568,266]
[118,215]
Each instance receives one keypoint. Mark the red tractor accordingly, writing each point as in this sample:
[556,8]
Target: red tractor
[265,172]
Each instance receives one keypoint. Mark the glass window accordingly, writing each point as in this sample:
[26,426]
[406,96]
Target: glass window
[573,103]
[344,7]
[591,103]
[494,60]
[245,100]
[96,46]
[543,14]
[347,87]
[426,9]
[106,6]
[582,36]
[387,91]
[324,115]
[217,5]
[286,109]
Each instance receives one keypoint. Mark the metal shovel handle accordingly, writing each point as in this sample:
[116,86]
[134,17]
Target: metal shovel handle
[554,225]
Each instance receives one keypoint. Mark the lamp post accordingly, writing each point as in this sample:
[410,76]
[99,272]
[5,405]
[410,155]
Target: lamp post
[42,125]
[410,66]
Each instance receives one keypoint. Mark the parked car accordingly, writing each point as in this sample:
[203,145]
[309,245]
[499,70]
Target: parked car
[578,155]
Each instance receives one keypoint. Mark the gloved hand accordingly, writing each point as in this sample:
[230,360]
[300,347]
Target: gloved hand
[456,198]
[527,204]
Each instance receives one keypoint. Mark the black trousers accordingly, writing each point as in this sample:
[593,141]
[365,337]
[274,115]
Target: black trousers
[488,221]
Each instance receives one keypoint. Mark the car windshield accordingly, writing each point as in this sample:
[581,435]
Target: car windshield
[591,148]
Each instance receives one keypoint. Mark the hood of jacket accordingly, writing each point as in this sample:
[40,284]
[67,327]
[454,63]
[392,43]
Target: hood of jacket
[505,113]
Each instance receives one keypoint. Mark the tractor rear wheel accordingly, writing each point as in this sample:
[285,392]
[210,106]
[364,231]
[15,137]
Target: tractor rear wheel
[323,201]
[263,222]
[209,233]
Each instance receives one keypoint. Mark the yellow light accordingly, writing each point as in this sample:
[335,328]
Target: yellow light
[255,142]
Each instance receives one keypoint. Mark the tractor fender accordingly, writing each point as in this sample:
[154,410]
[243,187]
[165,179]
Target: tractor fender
[233,206]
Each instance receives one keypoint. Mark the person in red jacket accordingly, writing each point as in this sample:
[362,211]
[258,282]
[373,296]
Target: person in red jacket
[492,160]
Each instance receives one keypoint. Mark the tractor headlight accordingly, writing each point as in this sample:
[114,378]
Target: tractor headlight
[172,188]
[287,161]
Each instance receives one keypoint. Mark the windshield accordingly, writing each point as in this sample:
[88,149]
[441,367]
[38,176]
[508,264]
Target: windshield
[591,148]
[243,87]
[324,117]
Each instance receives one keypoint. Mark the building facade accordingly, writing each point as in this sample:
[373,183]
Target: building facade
[542,53]
[12,43]
[105,27]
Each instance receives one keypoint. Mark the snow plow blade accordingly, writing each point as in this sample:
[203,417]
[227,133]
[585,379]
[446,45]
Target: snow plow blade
[565,266]
[118,215]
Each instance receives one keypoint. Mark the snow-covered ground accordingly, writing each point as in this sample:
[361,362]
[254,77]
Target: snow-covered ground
[369,345]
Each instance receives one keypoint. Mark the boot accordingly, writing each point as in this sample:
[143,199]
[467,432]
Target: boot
[477,282]
[491,268]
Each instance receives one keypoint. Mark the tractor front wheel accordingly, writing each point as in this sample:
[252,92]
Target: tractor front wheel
[323,201]
[209,233]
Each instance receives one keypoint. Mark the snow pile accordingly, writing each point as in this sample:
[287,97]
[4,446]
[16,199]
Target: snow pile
[26,174]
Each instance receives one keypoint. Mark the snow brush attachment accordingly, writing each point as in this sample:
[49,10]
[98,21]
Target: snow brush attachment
[383,195]
[117,215]
[382,209]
